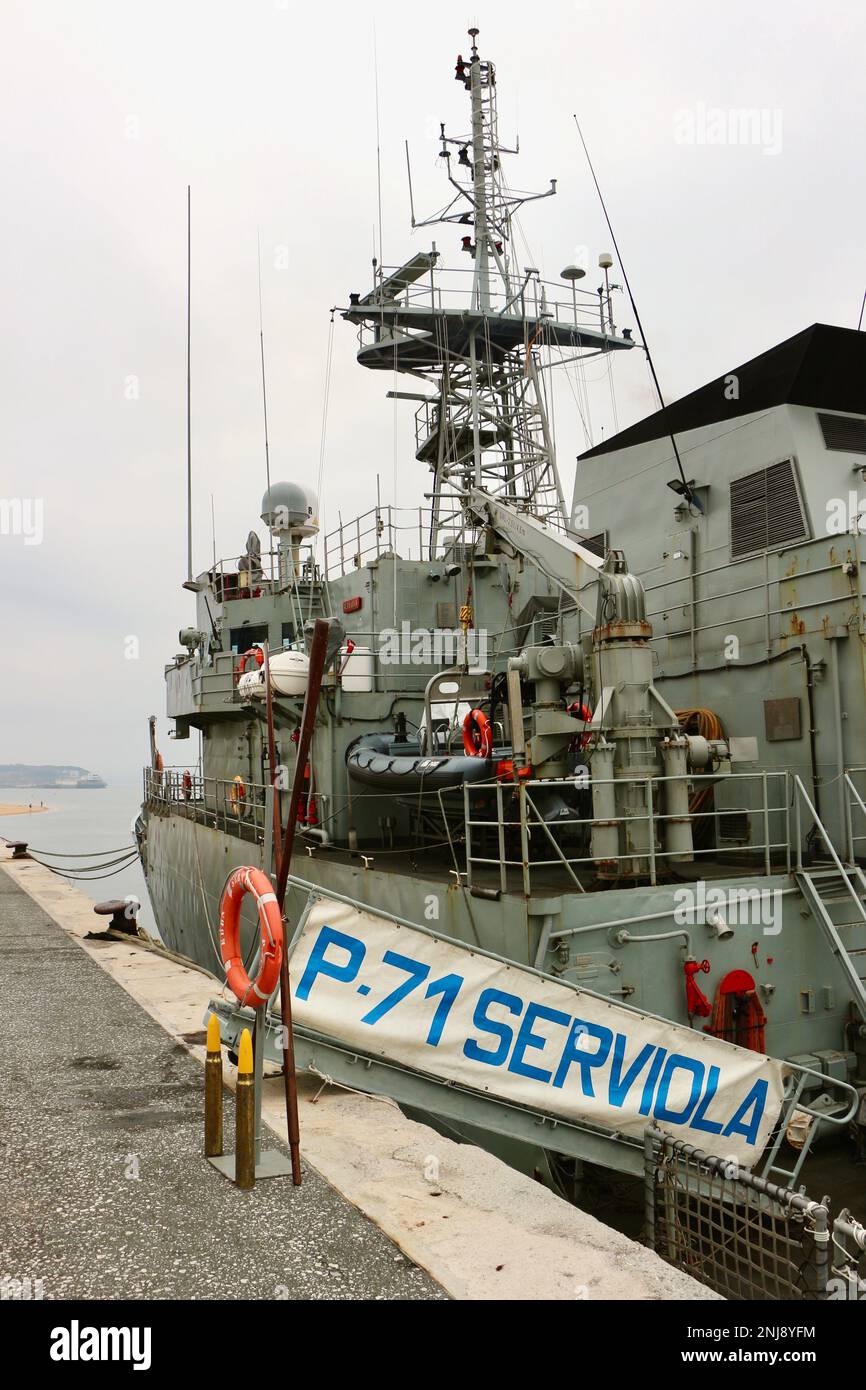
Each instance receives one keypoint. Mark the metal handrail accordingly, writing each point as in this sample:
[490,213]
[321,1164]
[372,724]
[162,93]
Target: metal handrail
[801,793]
[213,799]
[854,800]
[448,285]
[801,1078]
[372,534]
[546,828]
[224,574]
[652,819]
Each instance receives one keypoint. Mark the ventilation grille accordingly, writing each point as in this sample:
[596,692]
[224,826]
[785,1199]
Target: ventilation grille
[544,628]
[597,544]
[733,828]
[843,432]
[766,510]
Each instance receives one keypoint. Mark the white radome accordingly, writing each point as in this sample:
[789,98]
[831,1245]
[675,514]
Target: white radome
[290,509]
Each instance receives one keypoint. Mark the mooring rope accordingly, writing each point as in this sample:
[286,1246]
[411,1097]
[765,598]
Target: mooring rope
[83,854]
[87,878]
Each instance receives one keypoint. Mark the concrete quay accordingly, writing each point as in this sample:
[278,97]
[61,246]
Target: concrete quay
[107,1194]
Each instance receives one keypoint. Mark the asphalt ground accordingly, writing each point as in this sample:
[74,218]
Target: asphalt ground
[105,1190]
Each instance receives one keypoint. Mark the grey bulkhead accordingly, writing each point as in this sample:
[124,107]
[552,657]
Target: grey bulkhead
[235,741]
[795,612]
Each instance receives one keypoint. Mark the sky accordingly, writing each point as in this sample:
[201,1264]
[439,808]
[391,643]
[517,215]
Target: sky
[728,142]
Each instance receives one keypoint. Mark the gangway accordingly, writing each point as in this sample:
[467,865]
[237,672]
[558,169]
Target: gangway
[400,1064]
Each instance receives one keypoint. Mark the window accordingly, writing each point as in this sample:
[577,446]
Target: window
[846,433]
[767,510]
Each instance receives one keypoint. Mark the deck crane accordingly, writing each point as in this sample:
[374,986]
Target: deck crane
[635,736]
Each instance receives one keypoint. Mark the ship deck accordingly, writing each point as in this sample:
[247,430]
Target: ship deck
[446,860]
[487,880]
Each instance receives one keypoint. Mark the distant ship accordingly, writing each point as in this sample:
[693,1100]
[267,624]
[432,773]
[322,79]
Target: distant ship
[48,775]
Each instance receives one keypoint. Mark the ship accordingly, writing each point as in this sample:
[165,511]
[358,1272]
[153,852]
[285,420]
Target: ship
[613,741]
[49,775]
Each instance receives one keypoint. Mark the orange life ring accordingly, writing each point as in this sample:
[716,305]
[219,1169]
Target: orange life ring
[241,881]
[251,651]
[238,794]
[477,735]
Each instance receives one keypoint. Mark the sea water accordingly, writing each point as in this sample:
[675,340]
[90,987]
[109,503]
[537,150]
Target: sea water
[77,821]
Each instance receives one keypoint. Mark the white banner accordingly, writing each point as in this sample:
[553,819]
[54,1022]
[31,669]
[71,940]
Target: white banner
[398,993]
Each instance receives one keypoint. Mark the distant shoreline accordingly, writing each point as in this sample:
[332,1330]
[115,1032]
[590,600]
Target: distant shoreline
[49,776]
[9,808]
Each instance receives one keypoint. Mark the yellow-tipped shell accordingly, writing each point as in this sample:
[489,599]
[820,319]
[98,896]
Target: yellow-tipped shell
[245,1054]
[213,1034]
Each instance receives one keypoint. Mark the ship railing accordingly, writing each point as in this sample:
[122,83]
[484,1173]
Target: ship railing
[223,803]
[212,684]
[505,826]
[855,812]
[851,876]
[220,803]
[745,1234]
[383,530]
[273,573]
[411,533]
[528,297]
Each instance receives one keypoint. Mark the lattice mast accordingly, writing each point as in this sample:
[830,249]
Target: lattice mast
[478,342]
[492,392]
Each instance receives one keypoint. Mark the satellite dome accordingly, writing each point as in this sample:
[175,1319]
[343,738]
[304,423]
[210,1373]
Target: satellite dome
[290,507]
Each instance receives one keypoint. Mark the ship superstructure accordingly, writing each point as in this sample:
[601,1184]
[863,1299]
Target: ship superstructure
[502,746]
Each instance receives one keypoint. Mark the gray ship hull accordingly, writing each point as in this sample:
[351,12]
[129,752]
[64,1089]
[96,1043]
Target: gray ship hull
[801,985]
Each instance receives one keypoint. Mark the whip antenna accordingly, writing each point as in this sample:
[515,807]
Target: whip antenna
[378,141]
[262,347]
[189,582]
[687,492]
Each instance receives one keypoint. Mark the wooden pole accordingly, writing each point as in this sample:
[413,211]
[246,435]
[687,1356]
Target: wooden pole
[318,652]
[272,757]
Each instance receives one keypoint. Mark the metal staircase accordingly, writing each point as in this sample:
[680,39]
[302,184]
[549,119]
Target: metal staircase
[823,890]
[832,889]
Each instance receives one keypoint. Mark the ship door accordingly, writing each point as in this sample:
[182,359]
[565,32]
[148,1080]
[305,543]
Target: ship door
[242,638]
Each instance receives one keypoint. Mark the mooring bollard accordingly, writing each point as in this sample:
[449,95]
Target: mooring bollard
[245,1115]
[122,915]
[213,1091]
